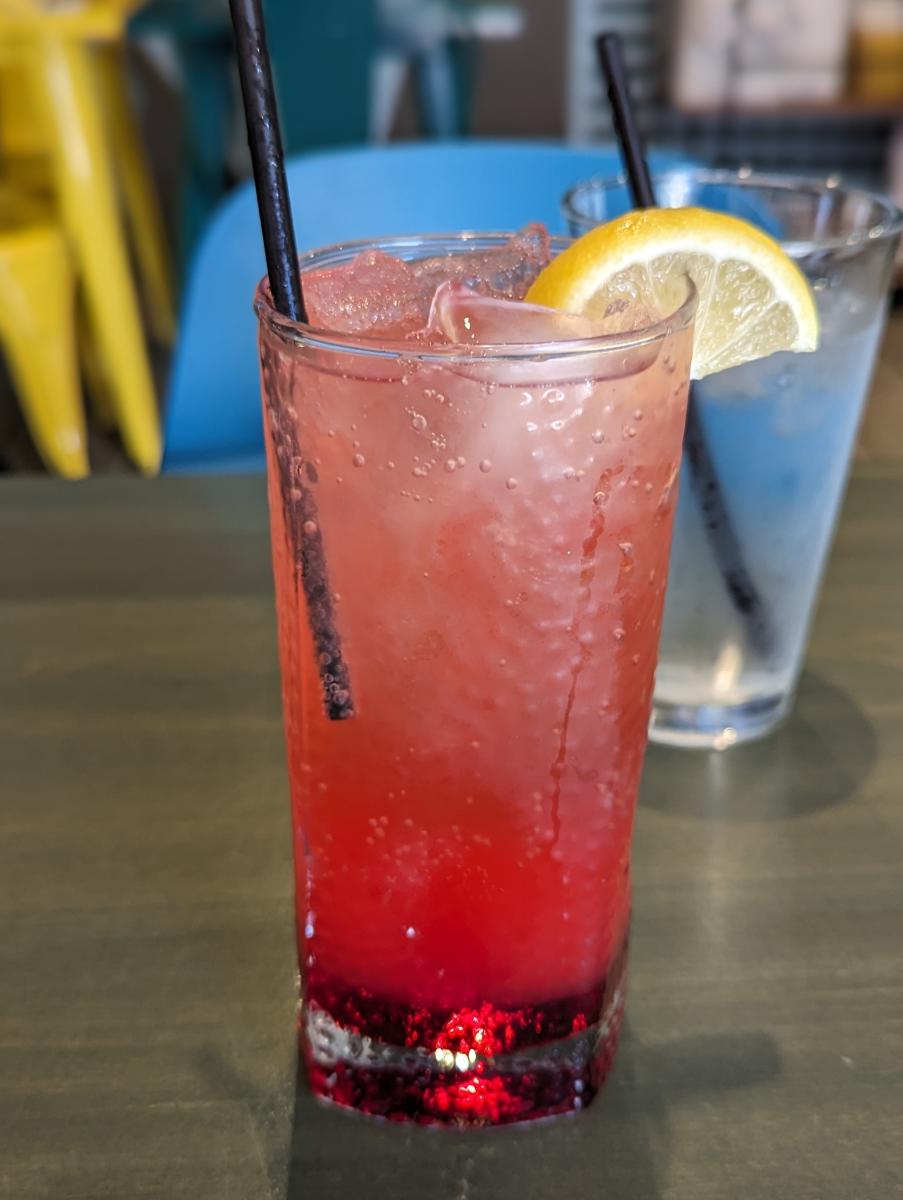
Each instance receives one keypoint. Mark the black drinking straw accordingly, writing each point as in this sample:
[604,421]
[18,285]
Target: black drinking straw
[301,517]
[744,594]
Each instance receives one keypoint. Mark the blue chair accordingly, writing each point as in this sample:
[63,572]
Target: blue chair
[213,410]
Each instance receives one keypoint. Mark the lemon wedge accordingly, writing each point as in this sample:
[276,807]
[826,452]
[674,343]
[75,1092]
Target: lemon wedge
[753,299]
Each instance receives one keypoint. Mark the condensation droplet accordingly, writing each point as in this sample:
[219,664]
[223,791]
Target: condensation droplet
[511,484]
[418,421]
[637,414]
[450,464]
[598,436]
[310,527]
[410,932]
[485,465]
[619,634]
[461,460]
[390,465]
[358,460]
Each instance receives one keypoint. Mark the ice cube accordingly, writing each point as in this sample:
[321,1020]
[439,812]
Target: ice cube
[504,272]
[374,294]
[464,317]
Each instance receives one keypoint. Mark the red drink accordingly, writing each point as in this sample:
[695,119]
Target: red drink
[494,527]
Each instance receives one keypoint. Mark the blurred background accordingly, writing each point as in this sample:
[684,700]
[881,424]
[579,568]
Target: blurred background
[121,139]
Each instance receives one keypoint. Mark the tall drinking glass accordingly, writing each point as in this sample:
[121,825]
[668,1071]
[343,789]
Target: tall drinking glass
[470,550]
[781,432]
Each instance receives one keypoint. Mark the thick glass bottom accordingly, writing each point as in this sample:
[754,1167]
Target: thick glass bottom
[716,727]
[474,1066]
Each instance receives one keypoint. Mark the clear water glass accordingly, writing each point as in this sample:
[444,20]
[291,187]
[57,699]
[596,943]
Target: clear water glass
[781,433]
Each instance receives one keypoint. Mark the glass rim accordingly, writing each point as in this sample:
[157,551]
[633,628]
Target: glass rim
[888,225]
[301,334]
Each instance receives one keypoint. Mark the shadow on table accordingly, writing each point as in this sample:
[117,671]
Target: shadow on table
[618,1148]
[819,758]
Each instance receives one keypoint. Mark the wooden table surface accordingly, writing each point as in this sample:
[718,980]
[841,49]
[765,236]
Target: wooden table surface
[146,952]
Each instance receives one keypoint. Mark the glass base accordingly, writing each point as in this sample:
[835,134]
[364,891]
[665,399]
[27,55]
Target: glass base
[541,1061]
[713,726]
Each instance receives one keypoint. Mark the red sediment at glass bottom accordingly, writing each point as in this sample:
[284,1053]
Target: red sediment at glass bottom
[480,1065]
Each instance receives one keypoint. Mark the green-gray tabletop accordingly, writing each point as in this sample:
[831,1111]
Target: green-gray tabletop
[147,986]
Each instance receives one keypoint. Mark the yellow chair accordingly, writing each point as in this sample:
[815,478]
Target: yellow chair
[37,322]
[67,73]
